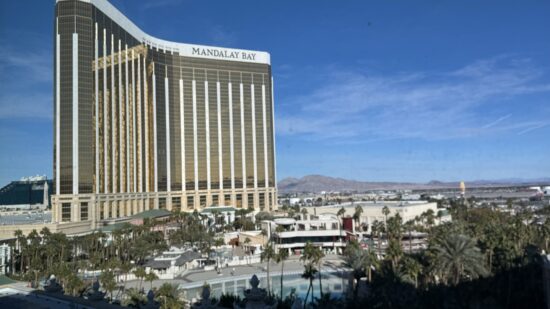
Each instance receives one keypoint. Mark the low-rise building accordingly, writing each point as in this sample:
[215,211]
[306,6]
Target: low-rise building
[173,263]
[290,234]
[374,211]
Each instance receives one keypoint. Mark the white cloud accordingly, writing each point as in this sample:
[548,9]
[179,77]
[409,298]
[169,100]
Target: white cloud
[351,106]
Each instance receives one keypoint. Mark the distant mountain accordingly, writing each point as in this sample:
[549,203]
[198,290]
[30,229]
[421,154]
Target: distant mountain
[318,183]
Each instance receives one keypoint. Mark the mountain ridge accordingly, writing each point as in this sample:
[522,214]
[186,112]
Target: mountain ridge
[318,183]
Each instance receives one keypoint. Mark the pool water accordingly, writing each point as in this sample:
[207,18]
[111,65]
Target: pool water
[335,283]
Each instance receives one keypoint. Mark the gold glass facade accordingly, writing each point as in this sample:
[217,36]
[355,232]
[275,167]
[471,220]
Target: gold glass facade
[141,126]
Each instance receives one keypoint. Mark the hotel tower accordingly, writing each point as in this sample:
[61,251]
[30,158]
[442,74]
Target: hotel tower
[143,123]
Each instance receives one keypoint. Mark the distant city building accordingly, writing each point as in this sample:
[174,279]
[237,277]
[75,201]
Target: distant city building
[26,193]
[143,123]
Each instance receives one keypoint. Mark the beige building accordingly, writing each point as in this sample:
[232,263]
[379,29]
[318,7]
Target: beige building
[374,211]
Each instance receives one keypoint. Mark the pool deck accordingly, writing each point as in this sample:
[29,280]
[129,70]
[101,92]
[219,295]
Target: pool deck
[193,278]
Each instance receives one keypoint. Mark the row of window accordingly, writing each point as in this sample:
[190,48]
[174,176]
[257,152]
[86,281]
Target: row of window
[107,211]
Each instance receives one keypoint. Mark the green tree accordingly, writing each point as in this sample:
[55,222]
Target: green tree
[411,268]
[386,212]
[377,229]
[313,255]
[150,277]
[134,298]
[309,274]
[267,255]
[280,257]
[168,296]
[108,282]
[140,273]
[457,255]
[357,214]
[394,251]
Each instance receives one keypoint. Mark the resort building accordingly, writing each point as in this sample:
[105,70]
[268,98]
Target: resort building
[374,211]
[290,234]
[143,123]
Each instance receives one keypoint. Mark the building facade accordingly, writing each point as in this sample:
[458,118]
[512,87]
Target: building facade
[323,231]
[375,211]
[142,123]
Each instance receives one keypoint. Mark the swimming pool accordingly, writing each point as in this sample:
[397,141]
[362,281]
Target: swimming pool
[337,283]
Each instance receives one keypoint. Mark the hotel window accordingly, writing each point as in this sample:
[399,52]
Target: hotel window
[250,200]
[65,212]
[162,203]
[176,203]
[227,199]
[262,201]
[109,210]
[202,201]
[215,200]
[84,211]
[101,210]
[191,202]
[239,200]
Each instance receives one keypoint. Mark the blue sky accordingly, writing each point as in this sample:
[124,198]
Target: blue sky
[368,90]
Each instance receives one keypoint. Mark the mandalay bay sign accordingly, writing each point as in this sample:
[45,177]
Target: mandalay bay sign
[223,53]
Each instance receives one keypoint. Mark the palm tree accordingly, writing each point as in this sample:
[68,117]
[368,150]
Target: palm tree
[410,267]
[151,276]
[353,260]
[457,255]
[370,261]
[309,273]
[357,214]
[168,295]
[394,251]
[281,256]
[267,255]
[107,279]
[376,231]
[544,231]
[134,298]
[341,212]
[140,273]
[313,255]
[386,212]
[430,218]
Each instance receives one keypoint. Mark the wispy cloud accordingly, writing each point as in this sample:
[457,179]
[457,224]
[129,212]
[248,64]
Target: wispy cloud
[354,106]
[36,65]
[533,127]
[26,83]
[494,123]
